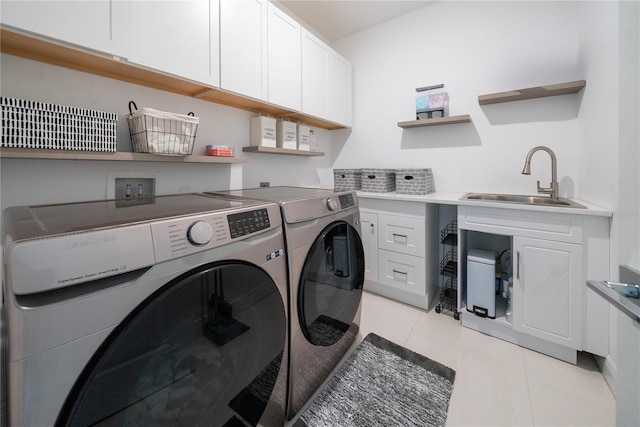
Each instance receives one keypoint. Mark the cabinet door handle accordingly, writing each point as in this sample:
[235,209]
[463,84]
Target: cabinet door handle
[517,264]
[372,228]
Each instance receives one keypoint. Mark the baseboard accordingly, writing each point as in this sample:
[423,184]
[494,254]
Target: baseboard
[609,371]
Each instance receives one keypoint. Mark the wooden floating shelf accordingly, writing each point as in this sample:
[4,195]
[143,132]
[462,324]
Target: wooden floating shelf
[533,92]
[28,153]
[276,150]
[116,68]
[452,120]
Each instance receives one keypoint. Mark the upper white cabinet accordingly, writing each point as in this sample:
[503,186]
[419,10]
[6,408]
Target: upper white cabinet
[261,58]
[315,75]
[284,78]
[326,81]
[100,25]
[340,87]
[179,38]
[243,47]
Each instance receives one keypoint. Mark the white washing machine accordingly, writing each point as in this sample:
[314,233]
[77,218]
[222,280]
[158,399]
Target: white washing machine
[326,276]
[163,311]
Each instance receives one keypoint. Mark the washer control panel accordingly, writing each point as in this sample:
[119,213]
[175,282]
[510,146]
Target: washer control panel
[244,223]
[177,237]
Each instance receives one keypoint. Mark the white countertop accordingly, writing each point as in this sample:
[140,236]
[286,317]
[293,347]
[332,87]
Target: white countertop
[454,199]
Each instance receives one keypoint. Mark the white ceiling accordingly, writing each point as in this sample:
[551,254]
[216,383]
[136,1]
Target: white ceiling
[335,19]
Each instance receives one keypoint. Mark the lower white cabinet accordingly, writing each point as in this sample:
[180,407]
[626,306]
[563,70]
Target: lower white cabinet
[401,249]
[369,224]
[547,297]
[402,272]
[553,255]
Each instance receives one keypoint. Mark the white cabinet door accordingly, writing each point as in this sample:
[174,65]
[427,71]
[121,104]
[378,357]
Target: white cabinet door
[100,25]
[177,37]
[315,76]
[547,290]
[369,223]
[401,234]
[340,87]
[283,59]
[243,47]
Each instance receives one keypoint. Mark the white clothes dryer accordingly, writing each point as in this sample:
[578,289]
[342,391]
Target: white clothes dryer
[169,311]
[326,274]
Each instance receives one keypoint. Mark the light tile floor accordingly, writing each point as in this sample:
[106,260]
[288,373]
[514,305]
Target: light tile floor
[497,383]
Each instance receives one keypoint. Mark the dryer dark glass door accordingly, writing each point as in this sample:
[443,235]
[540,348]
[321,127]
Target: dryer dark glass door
[331,284]
[206,349]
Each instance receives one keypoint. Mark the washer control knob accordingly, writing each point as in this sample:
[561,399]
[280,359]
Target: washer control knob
[331,204]
[200,233]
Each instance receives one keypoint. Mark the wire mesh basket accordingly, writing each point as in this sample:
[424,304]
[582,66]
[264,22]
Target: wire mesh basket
[35,124]
[160,132]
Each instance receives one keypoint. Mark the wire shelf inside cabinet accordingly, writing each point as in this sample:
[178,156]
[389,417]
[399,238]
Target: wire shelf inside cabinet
[449,264]
[449,270]
[449,234]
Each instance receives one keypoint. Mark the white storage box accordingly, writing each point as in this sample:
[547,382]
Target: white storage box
[347,179]
[286,135]
[161,132]
[304,138]
[481,283]
[378,180]
[313,140]
[414,181]
[263,131]
[34,124]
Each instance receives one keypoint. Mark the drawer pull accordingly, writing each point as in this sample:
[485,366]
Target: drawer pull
[400,238]
[403,273]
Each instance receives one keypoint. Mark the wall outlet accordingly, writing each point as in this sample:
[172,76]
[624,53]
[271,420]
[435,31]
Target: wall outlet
[264,183]
[135,188]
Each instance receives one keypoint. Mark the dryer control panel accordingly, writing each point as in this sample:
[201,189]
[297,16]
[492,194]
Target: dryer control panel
[308,209]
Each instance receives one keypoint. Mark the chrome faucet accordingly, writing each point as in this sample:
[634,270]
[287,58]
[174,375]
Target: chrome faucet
[553,190]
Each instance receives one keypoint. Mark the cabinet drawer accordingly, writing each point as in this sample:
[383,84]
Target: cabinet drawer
[401,234]
[511,222]
[403,272]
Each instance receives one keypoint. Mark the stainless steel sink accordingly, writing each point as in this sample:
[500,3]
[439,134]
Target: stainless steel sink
[522,200]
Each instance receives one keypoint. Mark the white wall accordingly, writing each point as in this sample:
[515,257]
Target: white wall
[474,48]
[47,181]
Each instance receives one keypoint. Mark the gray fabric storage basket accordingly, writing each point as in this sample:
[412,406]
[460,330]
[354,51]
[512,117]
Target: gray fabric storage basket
[378,180]
[346,179]
[414,181]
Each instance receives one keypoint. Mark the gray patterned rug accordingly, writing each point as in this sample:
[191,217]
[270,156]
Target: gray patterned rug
[383,384]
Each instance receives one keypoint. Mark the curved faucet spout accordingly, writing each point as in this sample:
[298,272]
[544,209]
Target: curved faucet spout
[553,190]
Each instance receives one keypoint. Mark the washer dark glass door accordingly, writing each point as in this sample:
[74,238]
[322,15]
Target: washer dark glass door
[331,284]
[206,349]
